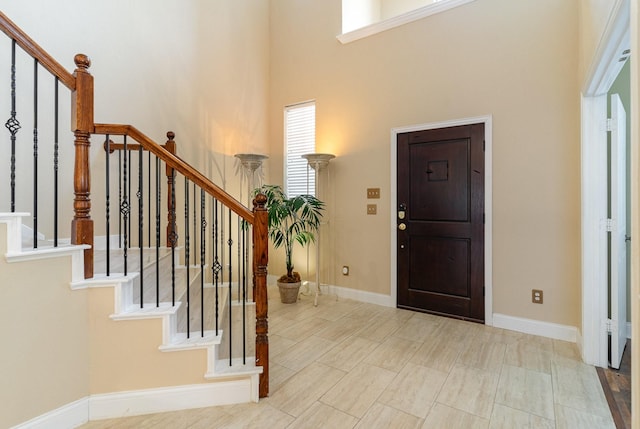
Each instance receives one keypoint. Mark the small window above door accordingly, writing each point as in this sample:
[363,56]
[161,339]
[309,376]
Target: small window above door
[363,18]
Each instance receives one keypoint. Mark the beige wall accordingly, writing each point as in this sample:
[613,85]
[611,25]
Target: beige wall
[45,358]
[196,67]
[489,57]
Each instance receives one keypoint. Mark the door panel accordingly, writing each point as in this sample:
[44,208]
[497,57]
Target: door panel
[441,232]
[619,231]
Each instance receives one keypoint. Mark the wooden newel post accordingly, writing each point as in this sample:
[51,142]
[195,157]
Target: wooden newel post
[172,236]
[260,261]
[82,126]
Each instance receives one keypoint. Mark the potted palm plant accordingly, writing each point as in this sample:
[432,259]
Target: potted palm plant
[291,220]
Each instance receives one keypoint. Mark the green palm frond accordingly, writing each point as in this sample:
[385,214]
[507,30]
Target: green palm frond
[291,220]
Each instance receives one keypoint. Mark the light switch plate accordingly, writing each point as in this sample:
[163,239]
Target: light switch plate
[372,209]
[373,193]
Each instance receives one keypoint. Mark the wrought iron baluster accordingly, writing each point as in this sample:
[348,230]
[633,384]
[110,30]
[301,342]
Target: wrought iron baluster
[203,228]
[187,249]
[55,162]
[158,196]
[244,293]
[215,267]
[124,206]
[35,153]
[173,237]
[141,222]
[120,198]
[149,197]
[107,152]
[230,243]
[130,178]
[13,125]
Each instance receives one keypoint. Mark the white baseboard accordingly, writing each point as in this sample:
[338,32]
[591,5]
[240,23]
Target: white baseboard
[68,416]
[360,295]
[348,293]
[121,404]
[148,401]
[536,327]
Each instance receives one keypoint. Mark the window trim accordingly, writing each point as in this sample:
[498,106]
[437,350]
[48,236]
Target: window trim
[396,21]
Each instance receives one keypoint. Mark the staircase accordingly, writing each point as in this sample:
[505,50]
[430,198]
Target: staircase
[166,324]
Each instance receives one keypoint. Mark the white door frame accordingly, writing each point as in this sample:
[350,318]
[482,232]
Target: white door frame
[601,75]
[488,208]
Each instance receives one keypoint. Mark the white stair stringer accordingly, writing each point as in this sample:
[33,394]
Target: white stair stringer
[126,308]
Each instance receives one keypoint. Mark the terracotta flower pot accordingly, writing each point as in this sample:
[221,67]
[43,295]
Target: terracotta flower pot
[289,292]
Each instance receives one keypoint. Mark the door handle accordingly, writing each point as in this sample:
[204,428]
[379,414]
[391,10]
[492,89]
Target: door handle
[402,227]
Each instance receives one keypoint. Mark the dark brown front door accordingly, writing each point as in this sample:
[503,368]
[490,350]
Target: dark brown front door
[441,221]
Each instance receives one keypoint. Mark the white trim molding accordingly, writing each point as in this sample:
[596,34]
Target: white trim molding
[487,120]
[148,401]
[536,327]
[396,21]
[71,415]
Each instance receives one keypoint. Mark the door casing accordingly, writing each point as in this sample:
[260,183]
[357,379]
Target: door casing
[604,69]
[488,227]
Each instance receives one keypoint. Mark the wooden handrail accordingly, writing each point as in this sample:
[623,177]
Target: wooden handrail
[175,162]
[33,49]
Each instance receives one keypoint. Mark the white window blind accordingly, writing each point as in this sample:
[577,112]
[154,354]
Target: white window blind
[300,139]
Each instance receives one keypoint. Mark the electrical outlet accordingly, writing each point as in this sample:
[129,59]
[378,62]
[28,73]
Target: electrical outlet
[373,193]
[536,296]
[345,270]
[372,209]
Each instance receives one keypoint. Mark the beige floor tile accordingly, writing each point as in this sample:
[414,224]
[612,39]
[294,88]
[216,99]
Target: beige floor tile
[303,353]
[359,389]
[439,351]
[336,309]
[566,349]
[393,354]
[526,354]
[417,329]
[278,374]
[445,417]
[457,328]
[278,344]
[526,390]
[248,416]
[395,313]
[508,418]
[471,390]
[382,417]
[321,416]
[576,385]
[483,355]
[346,355]
[540,343]
[366,311]
[341,329]
[569,418]
[301,329]
[497,335]
[414,390]
[379,329]
[303,389]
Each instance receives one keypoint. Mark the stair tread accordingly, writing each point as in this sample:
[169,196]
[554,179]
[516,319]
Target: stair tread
[181,342]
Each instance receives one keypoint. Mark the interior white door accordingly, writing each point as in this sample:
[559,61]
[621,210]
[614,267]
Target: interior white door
[618,231]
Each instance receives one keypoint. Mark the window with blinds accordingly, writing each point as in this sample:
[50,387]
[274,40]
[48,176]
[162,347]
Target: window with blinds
[299,139]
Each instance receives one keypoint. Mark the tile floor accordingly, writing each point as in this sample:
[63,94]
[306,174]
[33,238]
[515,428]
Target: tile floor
[346,364]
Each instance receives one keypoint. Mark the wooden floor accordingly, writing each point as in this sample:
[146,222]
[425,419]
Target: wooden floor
[617,389]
